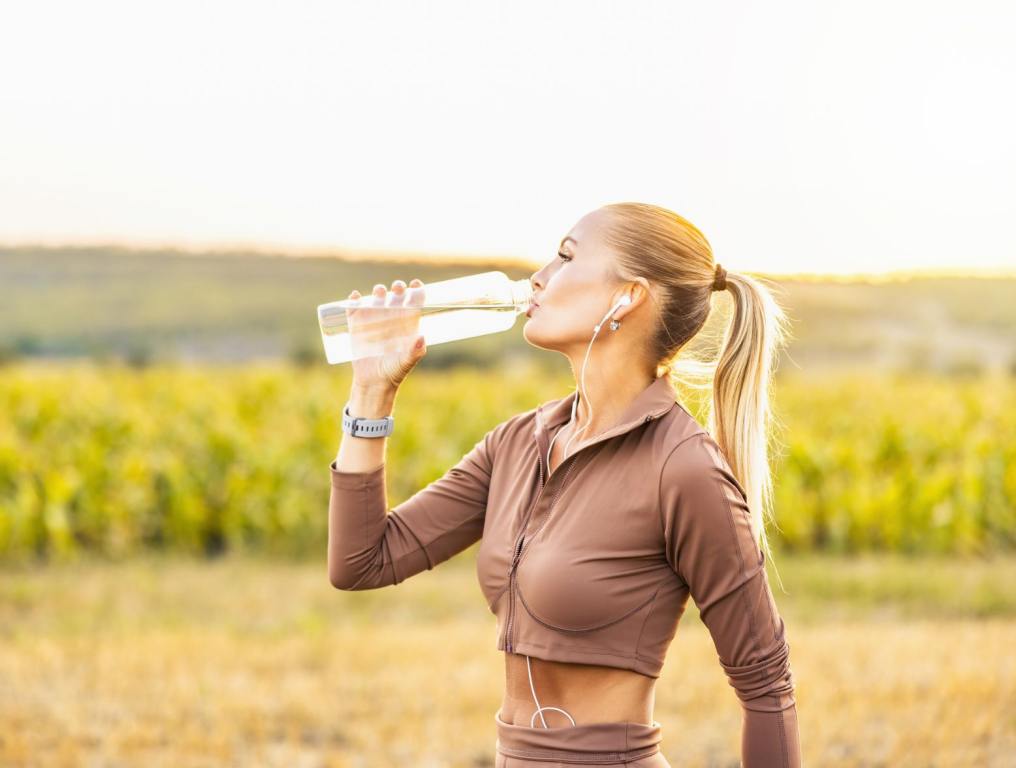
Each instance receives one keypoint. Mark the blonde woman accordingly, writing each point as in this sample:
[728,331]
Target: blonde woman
[599,514]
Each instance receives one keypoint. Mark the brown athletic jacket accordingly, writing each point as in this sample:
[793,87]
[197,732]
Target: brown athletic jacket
[595,562]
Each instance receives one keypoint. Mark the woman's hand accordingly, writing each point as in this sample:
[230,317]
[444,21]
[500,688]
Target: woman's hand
[387,343]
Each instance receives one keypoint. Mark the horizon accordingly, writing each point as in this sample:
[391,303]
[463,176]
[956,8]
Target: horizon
[281,250]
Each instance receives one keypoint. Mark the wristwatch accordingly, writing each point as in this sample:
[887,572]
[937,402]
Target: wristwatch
[358,426]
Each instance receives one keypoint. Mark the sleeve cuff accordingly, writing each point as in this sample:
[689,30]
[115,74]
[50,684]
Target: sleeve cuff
[352,481]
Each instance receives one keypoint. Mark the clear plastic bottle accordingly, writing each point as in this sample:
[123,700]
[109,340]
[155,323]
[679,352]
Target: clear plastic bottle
[448,310]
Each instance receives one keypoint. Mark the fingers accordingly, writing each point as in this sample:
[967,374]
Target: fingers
[397,294]
[380,294]
[353,296]
[377,296]
[416,292]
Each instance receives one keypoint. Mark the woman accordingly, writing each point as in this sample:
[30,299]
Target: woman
[601,513]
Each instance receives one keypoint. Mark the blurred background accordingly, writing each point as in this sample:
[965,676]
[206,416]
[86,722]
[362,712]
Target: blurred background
[181,184]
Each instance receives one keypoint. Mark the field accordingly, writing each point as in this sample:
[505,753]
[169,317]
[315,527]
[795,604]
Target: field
[168,661]
[117,460]
[164,598]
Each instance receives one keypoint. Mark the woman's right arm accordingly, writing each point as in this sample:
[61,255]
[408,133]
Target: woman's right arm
[370,547]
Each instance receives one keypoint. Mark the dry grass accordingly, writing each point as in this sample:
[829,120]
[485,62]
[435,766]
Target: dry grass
[168,662]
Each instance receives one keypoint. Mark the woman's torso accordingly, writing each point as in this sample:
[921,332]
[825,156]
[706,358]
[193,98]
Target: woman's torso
[589,693]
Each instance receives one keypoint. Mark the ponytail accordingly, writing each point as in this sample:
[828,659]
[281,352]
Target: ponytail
[740,416]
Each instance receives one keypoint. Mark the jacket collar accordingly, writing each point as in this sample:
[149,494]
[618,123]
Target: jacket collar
[655,400]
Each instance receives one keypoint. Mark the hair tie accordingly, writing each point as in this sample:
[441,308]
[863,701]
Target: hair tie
[720,278]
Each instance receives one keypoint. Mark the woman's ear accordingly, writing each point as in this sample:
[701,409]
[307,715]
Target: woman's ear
[642,289]
[637,293]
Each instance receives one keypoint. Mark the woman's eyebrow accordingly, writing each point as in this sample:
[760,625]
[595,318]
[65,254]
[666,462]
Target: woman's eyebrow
[569,237]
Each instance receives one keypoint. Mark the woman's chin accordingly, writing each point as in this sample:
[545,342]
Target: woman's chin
[530,335]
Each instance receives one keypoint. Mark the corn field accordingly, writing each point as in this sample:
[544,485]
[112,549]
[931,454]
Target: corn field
[115,460]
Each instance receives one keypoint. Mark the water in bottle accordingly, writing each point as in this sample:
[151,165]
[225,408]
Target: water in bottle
[447,310]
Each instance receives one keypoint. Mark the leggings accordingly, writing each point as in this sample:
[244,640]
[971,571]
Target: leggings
[635,745]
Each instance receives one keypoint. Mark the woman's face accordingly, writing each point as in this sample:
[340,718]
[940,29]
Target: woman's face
[575,290]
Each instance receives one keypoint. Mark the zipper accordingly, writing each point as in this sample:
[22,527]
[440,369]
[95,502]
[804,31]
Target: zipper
[515,559]
[511,601]
[511,594]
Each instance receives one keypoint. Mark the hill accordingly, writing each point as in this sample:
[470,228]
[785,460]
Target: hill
[161,305]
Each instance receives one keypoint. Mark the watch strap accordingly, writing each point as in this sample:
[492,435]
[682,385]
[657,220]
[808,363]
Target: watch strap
[357,426]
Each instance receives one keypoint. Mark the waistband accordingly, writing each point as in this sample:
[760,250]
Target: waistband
[596,743]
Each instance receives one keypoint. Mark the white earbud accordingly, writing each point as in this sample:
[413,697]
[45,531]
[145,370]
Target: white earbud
[624,301]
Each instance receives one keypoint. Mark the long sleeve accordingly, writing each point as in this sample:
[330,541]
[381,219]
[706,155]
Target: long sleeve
[370,547]
[710,547]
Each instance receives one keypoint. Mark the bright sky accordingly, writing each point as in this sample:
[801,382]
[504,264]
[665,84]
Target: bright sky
[799,136]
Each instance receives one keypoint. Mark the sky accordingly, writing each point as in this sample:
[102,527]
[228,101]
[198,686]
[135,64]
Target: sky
[829,138]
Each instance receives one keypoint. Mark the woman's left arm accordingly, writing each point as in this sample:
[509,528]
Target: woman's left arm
[711,548]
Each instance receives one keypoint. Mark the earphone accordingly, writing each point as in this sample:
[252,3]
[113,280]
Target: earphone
[539,709]
[624,301]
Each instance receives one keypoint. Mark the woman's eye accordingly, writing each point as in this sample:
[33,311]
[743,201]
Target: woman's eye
[566,258]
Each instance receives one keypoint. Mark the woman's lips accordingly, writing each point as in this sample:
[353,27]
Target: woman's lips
[532,308]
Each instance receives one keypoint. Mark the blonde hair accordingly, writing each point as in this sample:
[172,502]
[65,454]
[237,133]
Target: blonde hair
[656,246]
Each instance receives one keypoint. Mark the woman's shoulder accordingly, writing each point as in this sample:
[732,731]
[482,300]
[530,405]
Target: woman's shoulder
[680,432]
[692,460]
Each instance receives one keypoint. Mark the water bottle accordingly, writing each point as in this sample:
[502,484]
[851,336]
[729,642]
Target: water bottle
[447,310]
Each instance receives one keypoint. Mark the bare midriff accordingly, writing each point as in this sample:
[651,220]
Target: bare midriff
[590,693]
